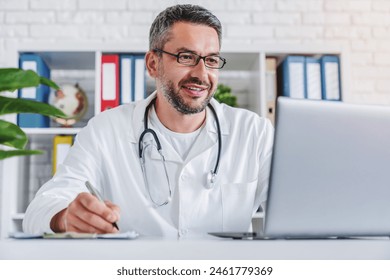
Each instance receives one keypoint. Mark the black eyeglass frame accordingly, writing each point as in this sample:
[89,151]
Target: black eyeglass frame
[199,57]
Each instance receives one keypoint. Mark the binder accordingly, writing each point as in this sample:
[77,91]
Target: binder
[291,77]
[61,147]
[109,81]
[270,85]
[331,81]
[126,78]
[139,91]
[313,87]
[41,93]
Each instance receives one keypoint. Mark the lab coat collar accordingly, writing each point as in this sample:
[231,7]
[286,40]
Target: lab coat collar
[138,117]
[204,143]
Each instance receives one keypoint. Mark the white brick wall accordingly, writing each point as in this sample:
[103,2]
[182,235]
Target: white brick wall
[360,26]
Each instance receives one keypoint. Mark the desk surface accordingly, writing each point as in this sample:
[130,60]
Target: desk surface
[223,249]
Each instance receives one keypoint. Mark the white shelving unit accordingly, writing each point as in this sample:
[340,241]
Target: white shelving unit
[245,72]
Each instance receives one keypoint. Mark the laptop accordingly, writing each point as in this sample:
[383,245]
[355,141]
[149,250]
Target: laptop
[330,173]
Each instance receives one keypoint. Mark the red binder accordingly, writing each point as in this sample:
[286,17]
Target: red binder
[109,81]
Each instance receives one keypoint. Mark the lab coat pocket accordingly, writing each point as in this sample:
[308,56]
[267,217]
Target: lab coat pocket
[237,205]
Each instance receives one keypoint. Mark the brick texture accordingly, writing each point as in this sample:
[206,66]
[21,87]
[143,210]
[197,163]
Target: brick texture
[361,27]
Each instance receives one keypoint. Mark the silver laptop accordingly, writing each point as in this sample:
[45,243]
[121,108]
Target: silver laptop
[330,174]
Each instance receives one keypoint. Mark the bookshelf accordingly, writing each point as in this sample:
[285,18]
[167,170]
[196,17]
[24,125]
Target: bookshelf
[245,72]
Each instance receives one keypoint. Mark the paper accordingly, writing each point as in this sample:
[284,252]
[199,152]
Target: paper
[76,235]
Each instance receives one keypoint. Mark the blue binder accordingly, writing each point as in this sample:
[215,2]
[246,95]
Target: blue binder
[40,93]
[313,86]
[331,80]
[132,78]
[126,78]
[139,91]
[291,77]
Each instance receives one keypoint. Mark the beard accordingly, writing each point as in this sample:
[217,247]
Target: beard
[177,101]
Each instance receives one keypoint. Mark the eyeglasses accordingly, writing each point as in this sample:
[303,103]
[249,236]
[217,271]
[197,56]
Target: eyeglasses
[192,59]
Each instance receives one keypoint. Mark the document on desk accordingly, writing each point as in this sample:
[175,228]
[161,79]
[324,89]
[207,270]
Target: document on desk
[76,235]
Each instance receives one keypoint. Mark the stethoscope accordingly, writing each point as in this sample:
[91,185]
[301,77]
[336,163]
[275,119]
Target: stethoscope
[211,176]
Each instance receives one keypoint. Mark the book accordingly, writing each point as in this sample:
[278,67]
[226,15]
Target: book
[30,61]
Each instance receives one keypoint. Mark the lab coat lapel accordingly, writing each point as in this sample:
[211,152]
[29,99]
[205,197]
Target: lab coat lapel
[138,118]
[168,151]
[138,127]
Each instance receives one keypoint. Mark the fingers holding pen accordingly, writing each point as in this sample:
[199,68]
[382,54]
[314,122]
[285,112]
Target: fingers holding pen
[87,214]
[115,208]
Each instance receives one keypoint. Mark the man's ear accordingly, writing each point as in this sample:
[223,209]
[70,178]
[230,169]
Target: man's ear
[151,61]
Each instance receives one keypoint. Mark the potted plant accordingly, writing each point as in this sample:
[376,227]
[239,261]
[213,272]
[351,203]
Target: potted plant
[224,95]
[11,135]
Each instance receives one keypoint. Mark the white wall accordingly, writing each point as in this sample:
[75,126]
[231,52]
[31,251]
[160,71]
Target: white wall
[360,26]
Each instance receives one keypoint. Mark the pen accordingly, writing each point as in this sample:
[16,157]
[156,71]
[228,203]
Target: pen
[96,193]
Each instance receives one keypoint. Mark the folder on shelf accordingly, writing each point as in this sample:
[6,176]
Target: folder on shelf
[41,93]
[331,81]
[291,77]
[313,78]
[270,85]
[139,91]
[61,147]
[126,78]
[109,81]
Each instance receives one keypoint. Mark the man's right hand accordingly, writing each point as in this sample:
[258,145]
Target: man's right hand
[88,215]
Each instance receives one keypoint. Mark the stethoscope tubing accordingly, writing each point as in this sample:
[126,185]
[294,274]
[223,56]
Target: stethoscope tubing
[214,172]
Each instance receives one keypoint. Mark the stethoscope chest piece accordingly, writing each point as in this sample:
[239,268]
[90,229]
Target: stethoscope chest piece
[211,179]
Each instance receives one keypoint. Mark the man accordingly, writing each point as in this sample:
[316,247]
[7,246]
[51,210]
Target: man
[172,193]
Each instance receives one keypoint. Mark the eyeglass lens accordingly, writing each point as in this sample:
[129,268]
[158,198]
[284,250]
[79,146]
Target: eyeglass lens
[212,61]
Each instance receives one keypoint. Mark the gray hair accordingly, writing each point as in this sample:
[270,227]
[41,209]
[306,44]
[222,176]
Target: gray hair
[159,31]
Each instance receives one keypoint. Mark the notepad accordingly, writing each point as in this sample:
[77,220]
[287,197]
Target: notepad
[76,235]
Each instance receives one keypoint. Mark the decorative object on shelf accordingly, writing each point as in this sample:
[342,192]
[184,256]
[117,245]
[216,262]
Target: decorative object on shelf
[223,94]
[11,135]
[72,100]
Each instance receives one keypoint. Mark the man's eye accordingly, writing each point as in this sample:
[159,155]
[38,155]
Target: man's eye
[186,56]
[212,60]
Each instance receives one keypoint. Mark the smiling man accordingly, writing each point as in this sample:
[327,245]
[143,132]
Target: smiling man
[175,164]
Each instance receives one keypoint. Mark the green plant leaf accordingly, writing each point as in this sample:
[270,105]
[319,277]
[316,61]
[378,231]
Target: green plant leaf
[18,105]
[11,135]
[223,95]
[49,83]
[14,78]
[13,153]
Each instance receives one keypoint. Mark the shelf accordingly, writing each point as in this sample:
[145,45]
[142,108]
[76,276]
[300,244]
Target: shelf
[245,72]
[66,60]
[52,130]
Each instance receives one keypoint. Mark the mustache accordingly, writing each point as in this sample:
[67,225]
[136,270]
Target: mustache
[197,81]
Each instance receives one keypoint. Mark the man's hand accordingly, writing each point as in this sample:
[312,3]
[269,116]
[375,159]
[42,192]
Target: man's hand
[86,214]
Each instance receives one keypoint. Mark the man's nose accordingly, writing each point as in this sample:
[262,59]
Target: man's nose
[200,70]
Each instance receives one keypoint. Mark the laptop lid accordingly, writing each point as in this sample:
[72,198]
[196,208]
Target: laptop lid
[330,173]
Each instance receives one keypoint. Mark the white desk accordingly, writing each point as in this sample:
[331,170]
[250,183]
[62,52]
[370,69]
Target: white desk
[224,249]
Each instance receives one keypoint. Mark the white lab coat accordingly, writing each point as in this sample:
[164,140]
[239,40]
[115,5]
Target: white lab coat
[105,152]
